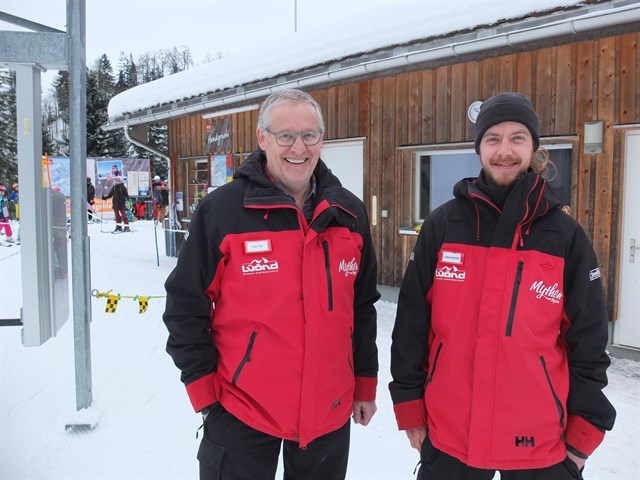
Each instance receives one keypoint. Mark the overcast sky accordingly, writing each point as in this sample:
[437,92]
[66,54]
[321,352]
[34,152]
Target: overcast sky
[205,26]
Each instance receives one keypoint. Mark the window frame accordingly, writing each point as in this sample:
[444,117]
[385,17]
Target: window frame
[409,200]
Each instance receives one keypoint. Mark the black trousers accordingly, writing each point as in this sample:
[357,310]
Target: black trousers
[231,450]
[437,465]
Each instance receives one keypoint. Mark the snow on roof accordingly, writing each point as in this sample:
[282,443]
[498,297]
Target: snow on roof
[385,25]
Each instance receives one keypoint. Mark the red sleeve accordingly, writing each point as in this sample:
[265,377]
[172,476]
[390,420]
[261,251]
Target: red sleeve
[411,414]
[202,392]
[365,389]
[581,435]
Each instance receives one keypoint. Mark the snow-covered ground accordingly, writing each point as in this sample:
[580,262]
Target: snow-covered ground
[146,428]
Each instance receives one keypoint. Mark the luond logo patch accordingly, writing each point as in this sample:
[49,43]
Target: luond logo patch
[452,274]
[260,266]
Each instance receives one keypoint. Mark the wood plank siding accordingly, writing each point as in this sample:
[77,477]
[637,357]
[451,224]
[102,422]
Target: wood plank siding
[568,85]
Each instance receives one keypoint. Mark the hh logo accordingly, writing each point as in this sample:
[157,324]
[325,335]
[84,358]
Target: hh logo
[349,268]
[450,273]
[525,442]
[259,266]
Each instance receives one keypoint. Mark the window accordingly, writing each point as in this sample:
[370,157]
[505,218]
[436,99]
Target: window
[435,172]
[561,155]
[197,176]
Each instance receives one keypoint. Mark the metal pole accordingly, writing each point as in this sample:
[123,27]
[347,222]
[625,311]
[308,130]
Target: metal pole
[80,258]
[295,16]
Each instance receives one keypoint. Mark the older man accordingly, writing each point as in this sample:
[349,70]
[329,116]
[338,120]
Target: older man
[270,308]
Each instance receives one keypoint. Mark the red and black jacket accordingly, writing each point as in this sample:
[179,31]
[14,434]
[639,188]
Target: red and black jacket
[273,316]
[501,330]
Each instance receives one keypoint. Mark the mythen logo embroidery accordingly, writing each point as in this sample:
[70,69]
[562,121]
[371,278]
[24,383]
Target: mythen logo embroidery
[259,266]
[453,274]
[594,274]
[550,293]
[350,268]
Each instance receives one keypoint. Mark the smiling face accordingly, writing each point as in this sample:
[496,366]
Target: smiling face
[291,166]
[506,150]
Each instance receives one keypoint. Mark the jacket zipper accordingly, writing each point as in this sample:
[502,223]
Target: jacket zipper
[553,392]
[246,358]
[514,297]
[353,349]
[327,266]
[435,361]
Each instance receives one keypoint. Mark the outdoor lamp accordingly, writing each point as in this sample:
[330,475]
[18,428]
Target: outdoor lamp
[593,137]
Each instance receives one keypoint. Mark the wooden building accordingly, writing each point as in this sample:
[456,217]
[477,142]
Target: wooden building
[398,117]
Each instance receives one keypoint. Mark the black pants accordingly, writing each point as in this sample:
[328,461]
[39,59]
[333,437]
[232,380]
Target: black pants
[437,465]
[231,450]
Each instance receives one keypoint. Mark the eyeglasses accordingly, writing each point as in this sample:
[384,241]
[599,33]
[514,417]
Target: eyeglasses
[286,139]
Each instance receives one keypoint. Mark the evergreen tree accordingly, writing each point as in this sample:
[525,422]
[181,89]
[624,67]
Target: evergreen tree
[61,89]
[48,143]
[55,138]
[8,127]
[100,88]
[127,73]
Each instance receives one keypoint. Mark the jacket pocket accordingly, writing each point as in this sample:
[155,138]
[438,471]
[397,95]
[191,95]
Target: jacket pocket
[514,298]
[352,352]
[246,358]
[557,401]
[435,363]
[210,456]
[327,266]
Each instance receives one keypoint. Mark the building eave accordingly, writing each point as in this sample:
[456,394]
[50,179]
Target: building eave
[567,25]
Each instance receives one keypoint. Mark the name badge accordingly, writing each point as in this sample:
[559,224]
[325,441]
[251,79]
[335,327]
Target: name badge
[456,258]
[257,246]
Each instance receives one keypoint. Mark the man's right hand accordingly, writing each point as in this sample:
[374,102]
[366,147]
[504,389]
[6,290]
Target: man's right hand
[417,436]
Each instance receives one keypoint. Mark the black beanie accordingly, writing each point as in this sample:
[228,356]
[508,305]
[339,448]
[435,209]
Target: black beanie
[507,107]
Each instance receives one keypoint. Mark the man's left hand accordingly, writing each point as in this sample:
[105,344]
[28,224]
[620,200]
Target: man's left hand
[363,412]
[577,460]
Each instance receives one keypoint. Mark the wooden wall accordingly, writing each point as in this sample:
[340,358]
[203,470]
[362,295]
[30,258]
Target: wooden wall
[568,85]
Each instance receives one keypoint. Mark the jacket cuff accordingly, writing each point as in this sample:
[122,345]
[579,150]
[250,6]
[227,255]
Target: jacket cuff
[202,392]
[365,389]
[582,435]
[411,414]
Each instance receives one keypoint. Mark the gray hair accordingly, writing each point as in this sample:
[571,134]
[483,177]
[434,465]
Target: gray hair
[286,96]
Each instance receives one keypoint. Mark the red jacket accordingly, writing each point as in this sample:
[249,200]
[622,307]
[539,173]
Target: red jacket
[500,336]
[270,316]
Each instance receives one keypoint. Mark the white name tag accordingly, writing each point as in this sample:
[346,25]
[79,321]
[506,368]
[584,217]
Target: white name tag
[457,258]
[257,246]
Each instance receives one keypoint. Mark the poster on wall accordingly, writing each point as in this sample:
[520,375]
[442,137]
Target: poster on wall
[135,175]
[221,170]
[218,170]
[218,136]
[144,183]
[57,174]
[108,169]
[132,183]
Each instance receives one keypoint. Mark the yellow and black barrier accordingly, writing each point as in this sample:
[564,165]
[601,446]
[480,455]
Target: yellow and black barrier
[114,298]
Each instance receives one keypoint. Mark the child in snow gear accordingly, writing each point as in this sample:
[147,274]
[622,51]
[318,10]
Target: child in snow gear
[14,203]
[5,225]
